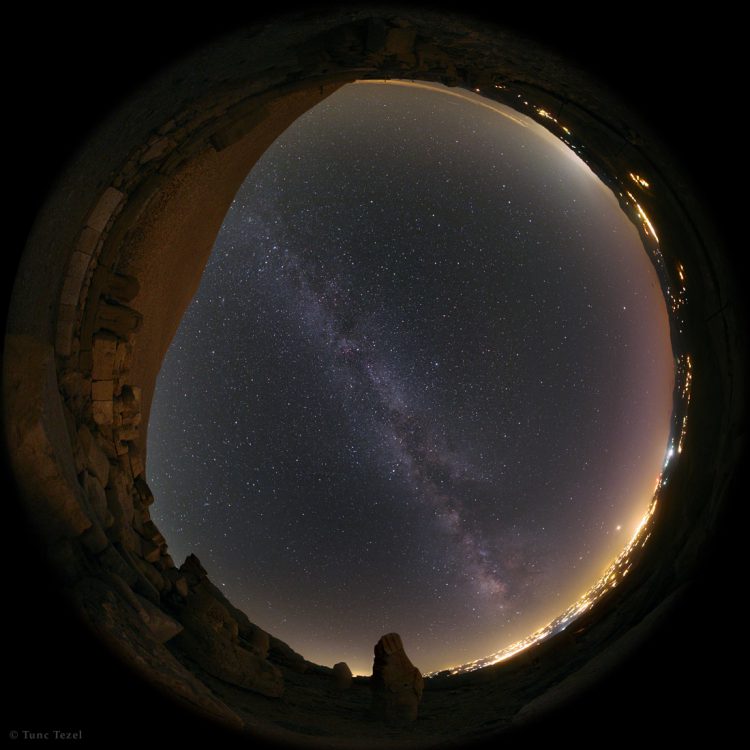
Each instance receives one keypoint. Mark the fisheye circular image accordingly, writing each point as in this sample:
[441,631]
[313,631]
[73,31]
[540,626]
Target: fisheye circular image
[373,378]
[425,385]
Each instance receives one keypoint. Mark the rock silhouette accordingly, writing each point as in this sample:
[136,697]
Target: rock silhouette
[396,683]
[342,676]
[284,655]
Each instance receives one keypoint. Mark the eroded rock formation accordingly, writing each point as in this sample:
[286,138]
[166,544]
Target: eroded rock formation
[212,638]
[119,622]
[78,458]
[396,683]
[281,653]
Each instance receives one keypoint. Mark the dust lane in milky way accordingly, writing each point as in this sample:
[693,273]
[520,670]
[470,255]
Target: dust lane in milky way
[424,387]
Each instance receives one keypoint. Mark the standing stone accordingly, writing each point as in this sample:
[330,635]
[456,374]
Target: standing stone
[342,676]
[396,683]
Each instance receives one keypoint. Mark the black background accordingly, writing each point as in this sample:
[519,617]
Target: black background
[680,74]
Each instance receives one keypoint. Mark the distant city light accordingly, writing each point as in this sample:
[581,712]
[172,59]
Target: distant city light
[639,180]
[611,578]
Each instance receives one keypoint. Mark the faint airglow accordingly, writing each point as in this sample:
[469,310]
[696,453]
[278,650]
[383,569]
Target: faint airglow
[465,95]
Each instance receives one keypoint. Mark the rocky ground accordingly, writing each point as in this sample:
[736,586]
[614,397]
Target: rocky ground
[208,656]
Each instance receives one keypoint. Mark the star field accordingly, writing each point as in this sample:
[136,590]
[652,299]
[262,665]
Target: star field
[424,387]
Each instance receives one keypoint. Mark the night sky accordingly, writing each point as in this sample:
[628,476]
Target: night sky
[424,387]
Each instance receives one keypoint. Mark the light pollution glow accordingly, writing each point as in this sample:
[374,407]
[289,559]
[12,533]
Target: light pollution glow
[622,564]
[616,571]
[611,578]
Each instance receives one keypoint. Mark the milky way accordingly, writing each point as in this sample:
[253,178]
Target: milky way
[425,384]
[412,449]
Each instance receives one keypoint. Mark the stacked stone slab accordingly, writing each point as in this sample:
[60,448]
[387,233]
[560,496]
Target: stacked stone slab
[106,412]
